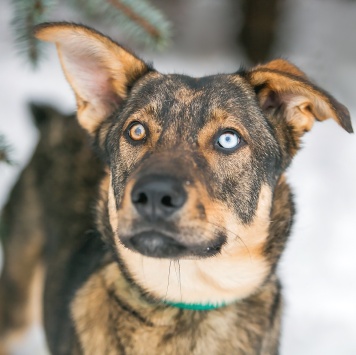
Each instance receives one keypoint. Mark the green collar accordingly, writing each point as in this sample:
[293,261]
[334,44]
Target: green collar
[196,306]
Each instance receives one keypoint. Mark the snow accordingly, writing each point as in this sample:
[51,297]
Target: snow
[318,268]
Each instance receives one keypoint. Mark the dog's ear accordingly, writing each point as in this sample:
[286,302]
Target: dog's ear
[280,84]
[98,69]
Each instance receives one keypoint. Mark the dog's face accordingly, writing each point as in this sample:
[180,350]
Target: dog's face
[194,163]
[188,168]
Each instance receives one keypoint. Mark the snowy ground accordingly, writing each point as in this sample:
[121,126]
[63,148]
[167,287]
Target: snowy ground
[319,266]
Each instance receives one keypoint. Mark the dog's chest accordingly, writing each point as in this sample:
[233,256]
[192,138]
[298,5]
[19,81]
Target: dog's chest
[110,319]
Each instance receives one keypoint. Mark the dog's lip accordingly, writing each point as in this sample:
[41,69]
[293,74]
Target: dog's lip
[154,244]
[183,250]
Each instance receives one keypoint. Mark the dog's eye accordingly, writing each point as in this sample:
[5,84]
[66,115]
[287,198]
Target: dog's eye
[137,131]
[228,140]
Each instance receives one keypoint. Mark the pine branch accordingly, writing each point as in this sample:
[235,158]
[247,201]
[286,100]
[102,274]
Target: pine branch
[5,150]
[138,18]
[29,13]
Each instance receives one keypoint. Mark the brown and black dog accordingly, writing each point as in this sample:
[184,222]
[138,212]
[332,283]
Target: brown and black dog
[194,210]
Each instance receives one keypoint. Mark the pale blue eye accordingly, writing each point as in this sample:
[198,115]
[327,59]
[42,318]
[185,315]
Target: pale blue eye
[229,140]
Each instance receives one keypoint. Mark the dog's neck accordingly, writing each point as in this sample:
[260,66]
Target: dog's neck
[169,329]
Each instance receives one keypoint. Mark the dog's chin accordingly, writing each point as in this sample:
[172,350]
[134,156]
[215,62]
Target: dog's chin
[159,245]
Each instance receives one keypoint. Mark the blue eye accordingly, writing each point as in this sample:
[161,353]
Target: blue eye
[228,140]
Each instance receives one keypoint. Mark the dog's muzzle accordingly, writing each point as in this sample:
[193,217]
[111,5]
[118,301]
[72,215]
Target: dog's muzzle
[157,198]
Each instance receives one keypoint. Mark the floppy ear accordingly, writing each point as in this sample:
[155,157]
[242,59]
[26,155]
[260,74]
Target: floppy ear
[98,69]
[280,84]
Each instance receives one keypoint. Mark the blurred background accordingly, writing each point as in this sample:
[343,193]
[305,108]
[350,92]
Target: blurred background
[201,37]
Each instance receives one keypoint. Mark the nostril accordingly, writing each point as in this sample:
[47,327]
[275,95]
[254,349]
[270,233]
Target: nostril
[157,197]
[140,198]
[167,201]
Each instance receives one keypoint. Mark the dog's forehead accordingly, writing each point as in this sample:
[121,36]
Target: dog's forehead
[186,99]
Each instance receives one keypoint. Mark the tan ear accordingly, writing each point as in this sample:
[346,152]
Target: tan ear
[281,84]
[98,69]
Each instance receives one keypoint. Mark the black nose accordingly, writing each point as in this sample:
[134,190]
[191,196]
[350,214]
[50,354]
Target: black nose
[157,197]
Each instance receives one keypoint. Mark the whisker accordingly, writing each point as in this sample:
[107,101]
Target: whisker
[180,282]
[143,269]
[178,276]
[169,275]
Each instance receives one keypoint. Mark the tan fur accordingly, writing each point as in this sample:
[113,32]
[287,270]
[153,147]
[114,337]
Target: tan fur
[213,218]
[32,313]
[282,66]
[312,104]
[116,64]
[129,322]
[220,120]
[143,116]
[234,274]
[35,301]
[187,96]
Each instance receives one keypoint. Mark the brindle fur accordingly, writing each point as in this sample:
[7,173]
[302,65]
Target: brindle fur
[48,222]
[101,295]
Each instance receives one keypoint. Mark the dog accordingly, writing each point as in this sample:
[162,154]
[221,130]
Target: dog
[193,209]
[49,212]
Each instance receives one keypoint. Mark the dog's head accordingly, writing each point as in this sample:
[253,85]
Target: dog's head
[195,163]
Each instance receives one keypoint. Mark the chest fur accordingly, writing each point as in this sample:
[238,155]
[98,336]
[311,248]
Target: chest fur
[111,317]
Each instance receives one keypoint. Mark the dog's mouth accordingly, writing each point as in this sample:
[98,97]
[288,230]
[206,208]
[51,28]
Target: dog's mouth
[159,245]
